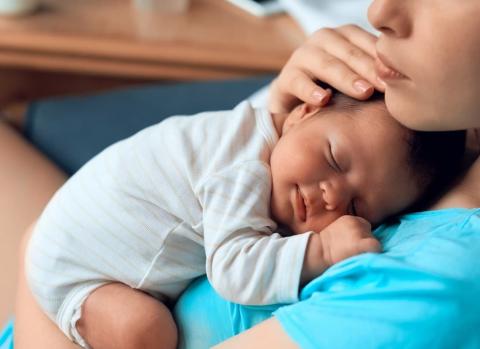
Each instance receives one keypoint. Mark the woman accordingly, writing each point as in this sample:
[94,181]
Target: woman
[437,95]
[428,66]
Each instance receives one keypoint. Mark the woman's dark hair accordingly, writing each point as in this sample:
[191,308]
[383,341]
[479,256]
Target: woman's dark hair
[435,158]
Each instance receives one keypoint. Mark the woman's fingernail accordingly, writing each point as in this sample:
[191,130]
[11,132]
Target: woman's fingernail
[362,86]
[320,96]
[381,82]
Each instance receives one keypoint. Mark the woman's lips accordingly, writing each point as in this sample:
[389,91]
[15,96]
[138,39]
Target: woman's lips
[301,208]
[385,71]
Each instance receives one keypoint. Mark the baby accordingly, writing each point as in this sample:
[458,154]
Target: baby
[262,204]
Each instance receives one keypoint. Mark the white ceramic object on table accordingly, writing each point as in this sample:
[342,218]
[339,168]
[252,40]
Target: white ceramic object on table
[18,7]
[165,6]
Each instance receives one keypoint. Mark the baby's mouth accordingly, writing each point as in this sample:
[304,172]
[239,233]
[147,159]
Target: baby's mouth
[301,207]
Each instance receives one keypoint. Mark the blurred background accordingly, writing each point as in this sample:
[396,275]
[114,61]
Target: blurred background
[57,47]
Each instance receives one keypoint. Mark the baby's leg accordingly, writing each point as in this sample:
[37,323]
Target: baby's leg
[117,316]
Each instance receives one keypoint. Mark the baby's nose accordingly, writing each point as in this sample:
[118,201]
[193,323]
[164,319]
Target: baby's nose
[335,196]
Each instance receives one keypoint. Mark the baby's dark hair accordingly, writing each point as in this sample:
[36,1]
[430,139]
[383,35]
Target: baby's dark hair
[435,158]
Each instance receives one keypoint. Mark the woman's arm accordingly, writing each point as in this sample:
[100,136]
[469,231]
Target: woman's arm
[27,181]
[268,334]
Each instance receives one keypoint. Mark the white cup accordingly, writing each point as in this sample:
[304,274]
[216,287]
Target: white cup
[18,7]
[165,6]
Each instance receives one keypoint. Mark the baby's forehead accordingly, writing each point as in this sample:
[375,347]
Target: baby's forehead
[369,129]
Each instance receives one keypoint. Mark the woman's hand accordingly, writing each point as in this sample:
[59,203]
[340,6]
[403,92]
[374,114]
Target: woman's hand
[343,57]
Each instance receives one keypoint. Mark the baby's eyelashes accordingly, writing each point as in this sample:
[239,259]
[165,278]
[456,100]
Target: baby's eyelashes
[332,161]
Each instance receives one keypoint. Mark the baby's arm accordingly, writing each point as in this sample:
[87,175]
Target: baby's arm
[346,237]
[245,262]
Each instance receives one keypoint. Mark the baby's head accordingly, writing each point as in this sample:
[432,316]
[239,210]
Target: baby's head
[354,158]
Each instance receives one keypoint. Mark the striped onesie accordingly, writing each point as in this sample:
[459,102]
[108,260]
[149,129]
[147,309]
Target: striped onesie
[186,197]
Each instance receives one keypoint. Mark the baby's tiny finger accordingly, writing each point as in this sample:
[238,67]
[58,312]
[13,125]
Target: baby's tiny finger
[370,245]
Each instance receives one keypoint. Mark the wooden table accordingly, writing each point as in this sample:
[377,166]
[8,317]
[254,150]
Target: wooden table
[80,45]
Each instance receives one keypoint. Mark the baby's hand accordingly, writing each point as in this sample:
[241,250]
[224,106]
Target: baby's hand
[346,237]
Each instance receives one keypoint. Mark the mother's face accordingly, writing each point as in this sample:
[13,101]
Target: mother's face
[433,48]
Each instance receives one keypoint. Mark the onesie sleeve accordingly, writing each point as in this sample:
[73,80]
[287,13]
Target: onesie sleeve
[245,262]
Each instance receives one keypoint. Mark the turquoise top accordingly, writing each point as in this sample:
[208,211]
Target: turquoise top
[6,336]
[421,291]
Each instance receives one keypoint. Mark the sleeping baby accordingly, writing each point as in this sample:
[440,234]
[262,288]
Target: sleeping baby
[260,203]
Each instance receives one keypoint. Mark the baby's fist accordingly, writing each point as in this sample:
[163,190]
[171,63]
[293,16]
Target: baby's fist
[346,237]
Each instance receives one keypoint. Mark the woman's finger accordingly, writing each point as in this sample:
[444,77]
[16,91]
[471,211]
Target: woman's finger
[360,37]
[358,61]
[353,55]
[294,87]
[343,58]
[338,74]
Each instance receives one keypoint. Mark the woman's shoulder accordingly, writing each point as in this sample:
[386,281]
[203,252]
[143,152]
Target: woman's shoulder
[423,225]
[443,242]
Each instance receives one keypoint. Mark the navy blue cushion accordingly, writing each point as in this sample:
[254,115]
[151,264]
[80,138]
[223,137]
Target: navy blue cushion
[71,130]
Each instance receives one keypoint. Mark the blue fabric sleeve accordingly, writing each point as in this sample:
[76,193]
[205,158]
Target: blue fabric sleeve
[422,292]
[386,305]
[6,336]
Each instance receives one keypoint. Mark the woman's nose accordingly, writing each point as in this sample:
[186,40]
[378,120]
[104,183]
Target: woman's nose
[391,17]
[335,195]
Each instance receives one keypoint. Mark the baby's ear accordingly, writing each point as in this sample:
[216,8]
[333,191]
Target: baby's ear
[309,110]
[299,114]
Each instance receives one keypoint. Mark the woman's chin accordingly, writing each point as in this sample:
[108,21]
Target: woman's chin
[399,110]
